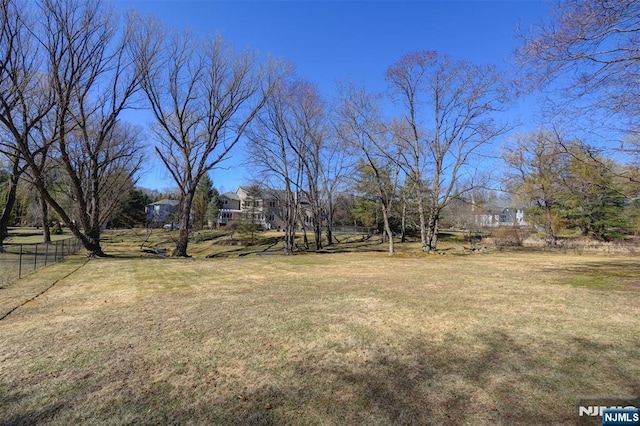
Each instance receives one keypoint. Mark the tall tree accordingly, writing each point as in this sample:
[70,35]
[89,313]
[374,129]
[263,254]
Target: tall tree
[335,169]
[360,126]
[94,77]
[537,162]
[309,145]
[204,194]
[132,212]
[203,95]
[273,137]
[25,98]
[447,119]
[79,77]
[213,208]
[594,199]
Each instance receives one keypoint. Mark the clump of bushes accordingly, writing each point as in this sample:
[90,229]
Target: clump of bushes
[510,236]
[231,226]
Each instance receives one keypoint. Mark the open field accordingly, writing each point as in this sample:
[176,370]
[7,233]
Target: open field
[351,338]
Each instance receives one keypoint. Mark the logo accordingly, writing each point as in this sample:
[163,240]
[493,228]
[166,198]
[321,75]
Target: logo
[628,416]
[609,411]
[598,411]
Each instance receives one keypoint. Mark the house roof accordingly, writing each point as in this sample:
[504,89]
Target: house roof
[230,196]
[165,202]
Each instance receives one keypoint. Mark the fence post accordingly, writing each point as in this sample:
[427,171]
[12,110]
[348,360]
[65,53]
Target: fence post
[62,251]
[55,252]
[20,263]
[46,253]
[35,258]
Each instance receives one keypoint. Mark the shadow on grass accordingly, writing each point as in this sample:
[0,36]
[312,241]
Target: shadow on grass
[38,416]
[497,380]
[503,382]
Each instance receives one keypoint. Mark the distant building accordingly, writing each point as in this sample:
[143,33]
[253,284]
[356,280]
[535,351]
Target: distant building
[512,217]
[230,210]
[263,208]
[160,212]
[506,217]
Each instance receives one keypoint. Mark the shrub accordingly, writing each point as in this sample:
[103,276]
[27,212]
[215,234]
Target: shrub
[510,236]
[231,226]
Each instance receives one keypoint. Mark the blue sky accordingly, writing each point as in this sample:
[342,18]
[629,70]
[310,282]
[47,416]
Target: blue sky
[357,40]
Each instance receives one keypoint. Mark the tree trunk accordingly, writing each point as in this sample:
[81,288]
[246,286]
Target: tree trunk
[10,203]
[305,239]
[551,235]
[387,230]
[290,209]
[288,241]
[46,232]
[329,225]
[183,218]
[317,234]
[290,222]
[423,223]
[93,247]
[432,231]
[403,222]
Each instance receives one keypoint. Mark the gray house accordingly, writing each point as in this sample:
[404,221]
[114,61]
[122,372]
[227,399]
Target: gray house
[161,212]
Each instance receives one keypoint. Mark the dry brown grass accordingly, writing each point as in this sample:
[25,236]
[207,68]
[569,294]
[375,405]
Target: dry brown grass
[352,338]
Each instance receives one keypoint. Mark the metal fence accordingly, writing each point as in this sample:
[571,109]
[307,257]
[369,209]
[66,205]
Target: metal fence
[350,229]
[18,260]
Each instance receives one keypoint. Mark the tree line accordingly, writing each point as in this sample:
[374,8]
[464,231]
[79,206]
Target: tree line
[70,68]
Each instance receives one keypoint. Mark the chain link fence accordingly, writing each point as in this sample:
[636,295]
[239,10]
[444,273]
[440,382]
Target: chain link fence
[18,260]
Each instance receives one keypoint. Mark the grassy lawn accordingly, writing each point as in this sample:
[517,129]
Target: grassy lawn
[351,338]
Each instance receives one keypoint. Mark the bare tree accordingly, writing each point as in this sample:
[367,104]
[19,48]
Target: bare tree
[93,78]
[203,95]
[24,96]
[309,145]
[447,119]
[99,171]
[337,165]
[272,137]
[360,126]
[589,50]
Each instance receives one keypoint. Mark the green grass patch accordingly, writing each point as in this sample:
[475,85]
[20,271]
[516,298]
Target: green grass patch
[592,281]
[616,273]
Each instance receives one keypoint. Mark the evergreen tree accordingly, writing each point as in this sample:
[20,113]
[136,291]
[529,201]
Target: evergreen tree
[593,200]
[132,212]
[201,200]
[213,208]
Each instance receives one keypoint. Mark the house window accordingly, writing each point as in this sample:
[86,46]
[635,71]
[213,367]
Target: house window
[272,203]
[271,217]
